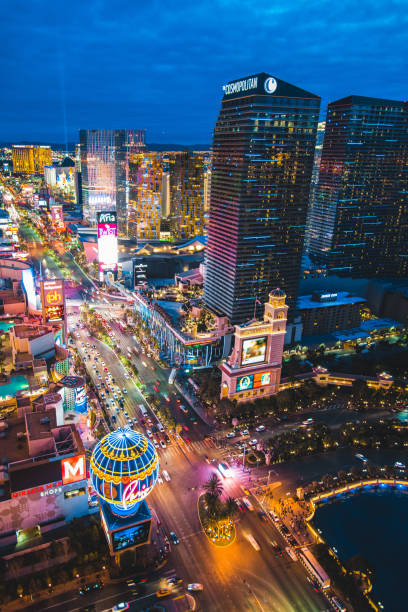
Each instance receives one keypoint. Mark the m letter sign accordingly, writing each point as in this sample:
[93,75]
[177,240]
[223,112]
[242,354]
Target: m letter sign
[73,469]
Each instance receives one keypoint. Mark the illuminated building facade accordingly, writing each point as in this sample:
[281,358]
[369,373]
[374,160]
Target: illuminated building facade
[62,178]
[29,159]
[187,195]
[359,223]
[254,368]
[263,153]
[124,468]
[145,195]
[105,172]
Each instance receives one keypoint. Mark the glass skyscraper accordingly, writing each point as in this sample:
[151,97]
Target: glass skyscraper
[105,169]
[263,151]
[359,221]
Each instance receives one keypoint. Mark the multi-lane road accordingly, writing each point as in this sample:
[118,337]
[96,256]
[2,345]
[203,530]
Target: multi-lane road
[237,577]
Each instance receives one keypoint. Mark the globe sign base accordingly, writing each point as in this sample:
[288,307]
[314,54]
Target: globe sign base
[124,533]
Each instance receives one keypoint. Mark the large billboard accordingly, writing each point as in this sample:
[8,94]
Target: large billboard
[253,351]
[73,469]
[53,300]
[57,217]
[253,381]
[107,242]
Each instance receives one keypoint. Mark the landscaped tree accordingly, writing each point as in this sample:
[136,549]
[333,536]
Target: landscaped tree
[213,486]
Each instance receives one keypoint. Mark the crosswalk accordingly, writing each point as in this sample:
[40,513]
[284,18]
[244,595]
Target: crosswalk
[199,447]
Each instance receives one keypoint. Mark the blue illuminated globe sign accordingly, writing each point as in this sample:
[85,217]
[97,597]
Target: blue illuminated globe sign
[124,468]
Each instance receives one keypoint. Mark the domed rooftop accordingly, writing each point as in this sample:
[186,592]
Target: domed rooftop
[67,162]
[124,455]
[278,293]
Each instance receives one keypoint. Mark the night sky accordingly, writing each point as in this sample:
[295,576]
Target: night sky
[160,65]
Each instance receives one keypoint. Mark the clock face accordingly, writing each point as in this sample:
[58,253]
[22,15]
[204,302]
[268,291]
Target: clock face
[270,85]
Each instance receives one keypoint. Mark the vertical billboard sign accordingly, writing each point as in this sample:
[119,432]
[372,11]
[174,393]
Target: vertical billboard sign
[107,242]
[57,217]
[53,300]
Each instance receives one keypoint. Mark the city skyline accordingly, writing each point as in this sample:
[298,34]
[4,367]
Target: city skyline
[173,94]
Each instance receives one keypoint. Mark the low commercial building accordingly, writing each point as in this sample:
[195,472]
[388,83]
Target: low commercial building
[43,477]
[30,342]
[325,312]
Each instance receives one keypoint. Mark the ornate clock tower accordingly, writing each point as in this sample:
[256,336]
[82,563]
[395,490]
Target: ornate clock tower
[254,367]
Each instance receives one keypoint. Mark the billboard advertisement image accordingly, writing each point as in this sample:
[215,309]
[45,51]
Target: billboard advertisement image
[253,381]
[253,350]
[107,242]
[245,382]
[53,300]
[57,217]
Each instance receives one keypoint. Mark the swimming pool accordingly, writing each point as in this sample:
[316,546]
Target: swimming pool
[5,325]
[17,383]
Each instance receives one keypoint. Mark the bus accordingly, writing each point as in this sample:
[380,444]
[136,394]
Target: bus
[172,376]
[142,410]
[248,504]
[315,568]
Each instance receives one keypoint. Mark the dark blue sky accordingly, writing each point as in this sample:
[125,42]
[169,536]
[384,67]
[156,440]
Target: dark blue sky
[160,65]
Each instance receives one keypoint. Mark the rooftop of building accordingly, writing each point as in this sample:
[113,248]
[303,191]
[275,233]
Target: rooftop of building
[343,298]
[27,470]
[30,331]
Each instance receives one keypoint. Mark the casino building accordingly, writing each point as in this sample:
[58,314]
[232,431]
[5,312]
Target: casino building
[124,469]
[263,151]
[43,476]
[253,369]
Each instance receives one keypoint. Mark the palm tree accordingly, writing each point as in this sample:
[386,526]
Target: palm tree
[213,486]
[230,508]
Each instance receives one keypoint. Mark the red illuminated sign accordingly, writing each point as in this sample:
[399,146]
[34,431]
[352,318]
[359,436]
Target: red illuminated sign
[40,489]
[73,469]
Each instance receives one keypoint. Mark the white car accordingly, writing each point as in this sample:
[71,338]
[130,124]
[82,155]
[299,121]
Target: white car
[254,442]
[230,434]
[149,433]
[166,475]
[159,479]
[124,390]
[195,586]
[260,428]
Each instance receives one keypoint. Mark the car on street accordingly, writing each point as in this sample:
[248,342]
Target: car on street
[195,586]
[362,458]
[166,475]
[159,479]
[399,465]
[124,390]
[156,444]
[123,605]
[253,442]
[185,427]
[175,580]
[260,428]
[230,434]
[245,432]
[173,536]
[162,444]
[149,433]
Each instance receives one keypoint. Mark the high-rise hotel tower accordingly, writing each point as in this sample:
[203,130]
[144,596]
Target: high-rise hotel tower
[264,142]
[105,172]
[359,220]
